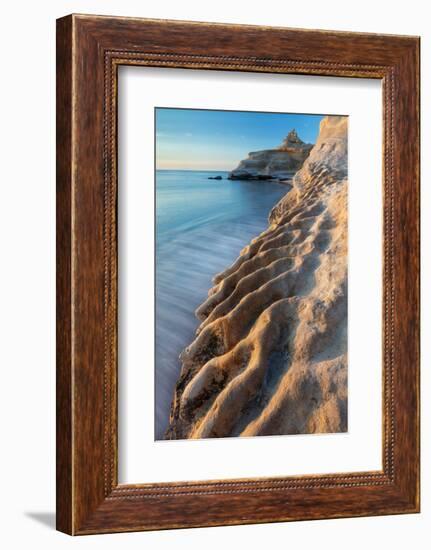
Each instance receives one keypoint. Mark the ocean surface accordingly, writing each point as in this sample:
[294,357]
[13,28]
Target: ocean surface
[201,226]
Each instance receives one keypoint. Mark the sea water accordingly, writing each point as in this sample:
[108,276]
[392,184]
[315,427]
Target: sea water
[201,227]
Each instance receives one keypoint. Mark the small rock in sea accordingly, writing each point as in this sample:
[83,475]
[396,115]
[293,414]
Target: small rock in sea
[215,177]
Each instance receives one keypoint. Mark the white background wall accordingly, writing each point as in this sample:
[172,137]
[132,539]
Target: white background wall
[27,245]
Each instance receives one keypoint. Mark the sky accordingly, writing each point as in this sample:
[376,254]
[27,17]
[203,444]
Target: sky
[194,139]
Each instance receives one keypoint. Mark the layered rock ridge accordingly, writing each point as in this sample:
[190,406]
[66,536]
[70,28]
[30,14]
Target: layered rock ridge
[270,354]
[280,163]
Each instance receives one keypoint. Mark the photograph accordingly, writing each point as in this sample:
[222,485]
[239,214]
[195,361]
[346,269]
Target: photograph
[251,272]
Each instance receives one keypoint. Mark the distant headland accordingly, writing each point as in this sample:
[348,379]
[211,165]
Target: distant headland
[280,163]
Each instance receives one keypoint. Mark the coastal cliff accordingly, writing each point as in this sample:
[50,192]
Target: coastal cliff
[270,354]
[279,163]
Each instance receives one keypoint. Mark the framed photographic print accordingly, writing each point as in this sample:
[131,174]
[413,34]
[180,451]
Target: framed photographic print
[237,274]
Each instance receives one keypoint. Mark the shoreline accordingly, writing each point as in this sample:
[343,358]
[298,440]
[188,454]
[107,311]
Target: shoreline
[270,354]
[243,214]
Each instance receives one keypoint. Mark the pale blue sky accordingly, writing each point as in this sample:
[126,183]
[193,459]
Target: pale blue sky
[194,139]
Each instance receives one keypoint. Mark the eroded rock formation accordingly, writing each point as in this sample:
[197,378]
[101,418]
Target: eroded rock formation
[279,163]
[270,355]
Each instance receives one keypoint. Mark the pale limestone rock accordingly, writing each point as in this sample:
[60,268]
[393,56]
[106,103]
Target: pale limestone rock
[270,355]
[279,163]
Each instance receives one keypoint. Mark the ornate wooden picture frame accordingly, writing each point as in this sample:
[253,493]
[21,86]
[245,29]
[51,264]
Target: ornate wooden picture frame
[89,51]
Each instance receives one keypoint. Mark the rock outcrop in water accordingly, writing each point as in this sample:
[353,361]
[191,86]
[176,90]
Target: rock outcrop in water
[280,163]
[270,355]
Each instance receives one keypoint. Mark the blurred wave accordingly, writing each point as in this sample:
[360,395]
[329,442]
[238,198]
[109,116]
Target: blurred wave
[201,226]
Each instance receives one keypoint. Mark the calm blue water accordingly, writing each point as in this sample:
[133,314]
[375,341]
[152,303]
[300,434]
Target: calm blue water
[201,226]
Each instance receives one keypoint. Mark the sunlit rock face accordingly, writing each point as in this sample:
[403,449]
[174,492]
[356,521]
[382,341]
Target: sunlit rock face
[279,163]
[270,354]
